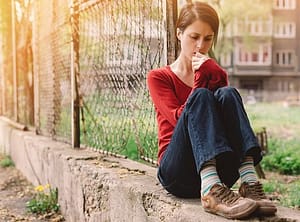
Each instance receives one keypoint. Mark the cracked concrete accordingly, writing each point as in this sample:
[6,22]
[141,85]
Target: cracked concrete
[96,187]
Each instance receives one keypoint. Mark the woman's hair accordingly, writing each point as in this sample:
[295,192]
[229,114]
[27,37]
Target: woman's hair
[192,12]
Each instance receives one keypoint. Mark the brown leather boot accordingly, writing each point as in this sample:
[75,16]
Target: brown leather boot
[224,202]
[255,192]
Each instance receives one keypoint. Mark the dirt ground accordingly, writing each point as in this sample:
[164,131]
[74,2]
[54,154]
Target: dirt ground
[15,191]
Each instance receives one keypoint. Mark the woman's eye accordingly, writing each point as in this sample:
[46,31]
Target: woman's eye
[194,37]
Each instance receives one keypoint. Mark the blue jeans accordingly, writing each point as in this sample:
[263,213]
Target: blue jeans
[212,125]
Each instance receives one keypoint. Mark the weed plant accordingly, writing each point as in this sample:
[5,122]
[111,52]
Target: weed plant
[44,201]
[284,156]
[6,162]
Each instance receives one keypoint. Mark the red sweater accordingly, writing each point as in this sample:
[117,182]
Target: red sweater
[169,95]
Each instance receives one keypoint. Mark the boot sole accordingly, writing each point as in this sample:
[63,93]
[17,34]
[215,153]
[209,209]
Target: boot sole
[240,215]
[266,211]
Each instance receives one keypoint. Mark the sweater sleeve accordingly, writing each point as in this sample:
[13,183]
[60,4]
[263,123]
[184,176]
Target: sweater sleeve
[163,96]
[210,75]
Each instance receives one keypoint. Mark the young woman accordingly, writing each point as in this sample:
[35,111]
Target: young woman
[205,139]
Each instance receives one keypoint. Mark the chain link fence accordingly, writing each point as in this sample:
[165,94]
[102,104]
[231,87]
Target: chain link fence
[52,64]
[87,59]
[120,41]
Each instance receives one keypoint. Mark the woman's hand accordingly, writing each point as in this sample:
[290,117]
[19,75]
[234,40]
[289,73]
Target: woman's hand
[197,60]
[210,76]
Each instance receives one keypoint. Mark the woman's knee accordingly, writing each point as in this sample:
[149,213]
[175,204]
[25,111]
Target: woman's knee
[226,92]
[200,95]
[201,92]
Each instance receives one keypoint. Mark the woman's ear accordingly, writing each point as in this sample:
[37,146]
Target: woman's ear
[178,34]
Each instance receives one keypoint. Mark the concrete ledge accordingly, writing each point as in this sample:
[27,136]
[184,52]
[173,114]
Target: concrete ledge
[94,187]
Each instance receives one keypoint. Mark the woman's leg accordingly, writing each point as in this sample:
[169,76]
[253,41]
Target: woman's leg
[197,138]
[238,130]
[243,141]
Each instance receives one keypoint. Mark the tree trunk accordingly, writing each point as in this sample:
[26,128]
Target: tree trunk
[5,64]
[24,65]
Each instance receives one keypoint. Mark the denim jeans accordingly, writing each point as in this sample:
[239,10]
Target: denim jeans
[212,125]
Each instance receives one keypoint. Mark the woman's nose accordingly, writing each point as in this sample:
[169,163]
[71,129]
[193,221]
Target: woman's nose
[199,44]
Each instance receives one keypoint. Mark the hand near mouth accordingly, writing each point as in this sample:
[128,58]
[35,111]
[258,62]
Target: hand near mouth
[208,74]
[198,59]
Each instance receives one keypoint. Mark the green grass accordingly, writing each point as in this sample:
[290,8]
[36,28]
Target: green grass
[130,130]
[131,149]
[6,161]
[283,157]
[281,122]
[274,186]
[283,128]
[285,192]
[293,197]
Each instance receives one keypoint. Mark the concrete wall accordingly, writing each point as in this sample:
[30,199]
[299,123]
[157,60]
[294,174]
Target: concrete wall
[95,188]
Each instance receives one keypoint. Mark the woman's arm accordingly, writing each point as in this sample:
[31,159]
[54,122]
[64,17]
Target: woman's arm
[163,95]
[210,75]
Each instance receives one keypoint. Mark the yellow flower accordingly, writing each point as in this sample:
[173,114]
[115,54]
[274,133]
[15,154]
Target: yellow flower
[39,188]
[47,186]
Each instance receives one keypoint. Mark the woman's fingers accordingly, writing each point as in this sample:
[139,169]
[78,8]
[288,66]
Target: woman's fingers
[197,60]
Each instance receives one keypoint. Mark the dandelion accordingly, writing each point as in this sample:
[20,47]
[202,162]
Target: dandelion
[39,188]
[44,201]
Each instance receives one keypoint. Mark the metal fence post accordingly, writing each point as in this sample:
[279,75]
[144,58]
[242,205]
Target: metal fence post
[14,61]
[2,109]
[3,88]
[36,75]
[75,74]
[172,42]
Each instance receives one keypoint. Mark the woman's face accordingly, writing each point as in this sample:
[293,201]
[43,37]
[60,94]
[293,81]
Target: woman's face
[197,37]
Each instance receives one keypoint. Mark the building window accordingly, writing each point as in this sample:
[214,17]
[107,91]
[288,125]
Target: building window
[253,27]
[284,4]
[266,57]
[285,30]
[286,86]
[261,55]
[254,56]
[284,58]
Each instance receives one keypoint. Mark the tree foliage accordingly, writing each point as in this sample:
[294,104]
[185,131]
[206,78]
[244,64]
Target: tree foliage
[231,11]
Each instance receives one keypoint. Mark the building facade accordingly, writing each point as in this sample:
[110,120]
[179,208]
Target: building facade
[268,66]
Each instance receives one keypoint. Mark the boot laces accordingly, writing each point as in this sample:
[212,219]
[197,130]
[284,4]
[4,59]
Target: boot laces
[226,195]
[256,191]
